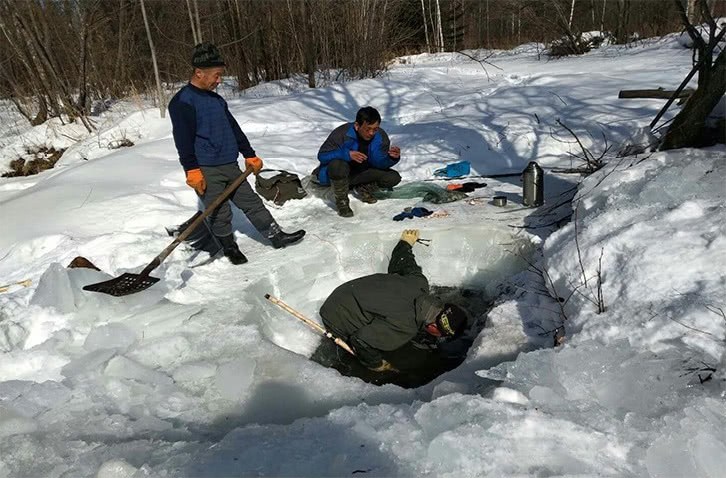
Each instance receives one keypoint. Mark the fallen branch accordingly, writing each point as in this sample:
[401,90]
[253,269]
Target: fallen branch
[22,283]
[659,93]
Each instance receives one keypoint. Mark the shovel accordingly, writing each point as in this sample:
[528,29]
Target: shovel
[128,283]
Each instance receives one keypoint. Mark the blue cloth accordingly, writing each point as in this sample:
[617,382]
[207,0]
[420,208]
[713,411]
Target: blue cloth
[409,213]
[454,170]
[343,140]
[205,132]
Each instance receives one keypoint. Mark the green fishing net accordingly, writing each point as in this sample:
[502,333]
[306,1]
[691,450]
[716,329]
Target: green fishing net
[429,192]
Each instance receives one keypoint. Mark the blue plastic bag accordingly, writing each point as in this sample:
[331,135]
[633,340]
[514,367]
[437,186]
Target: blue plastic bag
[454,170]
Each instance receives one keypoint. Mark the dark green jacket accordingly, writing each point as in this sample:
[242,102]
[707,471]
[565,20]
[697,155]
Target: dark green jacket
[382,312]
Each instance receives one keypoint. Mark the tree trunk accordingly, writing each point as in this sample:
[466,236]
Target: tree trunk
[160,95]
[83,63]
[309,47]
[118,75]
[692,11]
[440,27]
[572,14]
[199,25]
[688,125]
[195,37]
[426,26]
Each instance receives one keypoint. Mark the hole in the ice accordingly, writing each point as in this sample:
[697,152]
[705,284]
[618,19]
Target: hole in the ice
[467,263]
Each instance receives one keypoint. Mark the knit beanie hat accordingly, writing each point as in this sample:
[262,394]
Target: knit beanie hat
[206,55]
[452,321]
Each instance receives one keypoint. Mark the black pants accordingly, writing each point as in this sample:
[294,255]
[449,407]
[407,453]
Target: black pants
[362,173]
[217,179]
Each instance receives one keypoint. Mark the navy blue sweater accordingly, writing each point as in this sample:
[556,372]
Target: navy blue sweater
[205,132]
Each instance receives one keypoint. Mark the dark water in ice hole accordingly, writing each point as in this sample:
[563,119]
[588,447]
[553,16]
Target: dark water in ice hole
[418,365]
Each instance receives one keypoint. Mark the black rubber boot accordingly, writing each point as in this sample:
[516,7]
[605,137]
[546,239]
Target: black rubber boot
[231,250]
[342,203]
[280,238]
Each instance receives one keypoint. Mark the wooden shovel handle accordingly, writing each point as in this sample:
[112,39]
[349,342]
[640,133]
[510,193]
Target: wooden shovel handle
[313,325]
[190,228]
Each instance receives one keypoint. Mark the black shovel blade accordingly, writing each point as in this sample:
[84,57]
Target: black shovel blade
[125,284]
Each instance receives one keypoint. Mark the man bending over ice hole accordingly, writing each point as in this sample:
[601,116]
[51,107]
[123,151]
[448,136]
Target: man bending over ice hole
[383,312]
[208,140]
[360,155]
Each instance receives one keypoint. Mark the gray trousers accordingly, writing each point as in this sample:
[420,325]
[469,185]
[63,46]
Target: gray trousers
[217,179]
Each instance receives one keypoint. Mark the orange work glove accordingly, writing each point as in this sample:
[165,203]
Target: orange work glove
[254,163]
[195,179]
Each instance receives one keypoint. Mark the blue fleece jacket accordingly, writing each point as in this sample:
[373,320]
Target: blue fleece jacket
[205,132]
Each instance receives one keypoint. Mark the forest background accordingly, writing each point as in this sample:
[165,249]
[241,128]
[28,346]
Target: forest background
[70,58]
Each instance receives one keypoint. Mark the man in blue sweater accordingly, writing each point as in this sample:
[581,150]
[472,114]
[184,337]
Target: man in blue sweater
[358,154]
[208,140]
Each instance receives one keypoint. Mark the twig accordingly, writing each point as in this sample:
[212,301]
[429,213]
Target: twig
[691,328]
[22,283]
[600,298]
[577,244]
[480,62]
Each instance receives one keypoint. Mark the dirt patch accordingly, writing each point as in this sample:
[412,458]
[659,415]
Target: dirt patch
[43,158]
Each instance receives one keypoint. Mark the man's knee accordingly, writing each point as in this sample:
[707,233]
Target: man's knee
[390,179]
[338,169]
[221,220]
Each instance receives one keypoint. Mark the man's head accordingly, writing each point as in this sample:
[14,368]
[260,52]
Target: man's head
[367,122]
[208,66]
[451,322]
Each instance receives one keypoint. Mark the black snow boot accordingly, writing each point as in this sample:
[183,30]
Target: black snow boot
[231,251]
[342,203]
[280,238]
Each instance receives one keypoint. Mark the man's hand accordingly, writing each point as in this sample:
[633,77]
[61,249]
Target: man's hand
[395,152]
[385,367]
[357,156]
[410,236]
[195,179]
[254,163]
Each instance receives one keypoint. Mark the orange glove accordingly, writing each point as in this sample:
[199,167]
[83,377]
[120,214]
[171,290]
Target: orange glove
[254,163]
[195,179]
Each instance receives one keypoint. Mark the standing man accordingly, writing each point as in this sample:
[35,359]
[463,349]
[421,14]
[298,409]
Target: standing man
[358,154]
[208,140]
[383,312]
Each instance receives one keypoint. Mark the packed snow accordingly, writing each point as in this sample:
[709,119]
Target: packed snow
[201,376]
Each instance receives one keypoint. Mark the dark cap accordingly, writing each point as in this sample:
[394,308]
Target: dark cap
[452,321]
[206,55]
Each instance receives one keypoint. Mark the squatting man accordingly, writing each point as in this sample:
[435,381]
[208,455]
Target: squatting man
[358,155]
[380,313]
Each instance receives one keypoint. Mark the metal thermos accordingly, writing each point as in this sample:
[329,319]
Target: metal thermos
[533,185]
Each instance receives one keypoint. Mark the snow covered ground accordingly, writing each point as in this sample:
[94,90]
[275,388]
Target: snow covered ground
[200,376]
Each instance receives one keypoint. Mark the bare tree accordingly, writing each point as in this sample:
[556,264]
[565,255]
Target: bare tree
[439,27]
[572,14]
[426,26]
[688,126]
[160,97]
[195,37]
